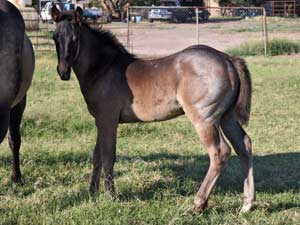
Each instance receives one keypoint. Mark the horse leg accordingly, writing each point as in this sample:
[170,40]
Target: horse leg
[4,121]
[14,138]
[241,143]
[97,165]
[218,151]
[105,153]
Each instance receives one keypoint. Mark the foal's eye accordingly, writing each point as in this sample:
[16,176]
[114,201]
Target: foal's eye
[75,38]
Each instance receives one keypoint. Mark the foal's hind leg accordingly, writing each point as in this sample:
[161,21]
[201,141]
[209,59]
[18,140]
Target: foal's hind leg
[241,143]
[219,153]
[208,130]
[14,138]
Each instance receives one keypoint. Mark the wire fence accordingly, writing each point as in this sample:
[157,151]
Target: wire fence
[285,8]
[40,27]
[159,31]
[166,29]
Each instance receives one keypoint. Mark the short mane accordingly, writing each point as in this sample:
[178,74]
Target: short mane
[101,33]
[110,38]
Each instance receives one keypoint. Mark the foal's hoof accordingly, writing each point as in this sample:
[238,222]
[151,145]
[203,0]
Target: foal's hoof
[93,189]
[247,207]
[199,205]
[111,191]
[17,180]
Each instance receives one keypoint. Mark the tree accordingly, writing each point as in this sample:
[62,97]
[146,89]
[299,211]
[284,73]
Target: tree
[117,8]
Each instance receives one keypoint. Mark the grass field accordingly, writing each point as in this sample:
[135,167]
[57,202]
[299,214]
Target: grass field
[159,165]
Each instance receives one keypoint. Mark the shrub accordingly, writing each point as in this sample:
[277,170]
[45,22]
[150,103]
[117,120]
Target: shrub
[275,47]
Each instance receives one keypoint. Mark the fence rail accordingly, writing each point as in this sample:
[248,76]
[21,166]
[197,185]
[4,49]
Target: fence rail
[142,30]
[143,19]
[40,30]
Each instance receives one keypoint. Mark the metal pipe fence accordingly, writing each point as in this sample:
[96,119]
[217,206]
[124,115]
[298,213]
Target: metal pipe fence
[162,30]
[40,28]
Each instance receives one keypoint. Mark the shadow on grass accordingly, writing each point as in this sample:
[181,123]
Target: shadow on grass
[275,173]
[277,207]
[222,20]
[51,158]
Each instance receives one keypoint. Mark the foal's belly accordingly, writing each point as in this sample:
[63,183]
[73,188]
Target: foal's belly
[157,109]
[153,86]
[27,70]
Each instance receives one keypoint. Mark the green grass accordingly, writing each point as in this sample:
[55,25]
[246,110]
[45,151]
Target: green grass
[159,165]
[274,47]
[274,24]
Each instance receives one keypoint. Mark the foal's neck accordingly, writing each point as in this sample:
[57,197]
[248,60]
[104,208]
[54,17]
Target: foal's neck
[99,53]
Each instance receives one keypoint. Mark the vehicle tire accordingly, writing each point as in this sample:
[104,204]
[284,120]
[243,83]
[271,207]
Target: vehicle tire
[133,19]
[151,20]
[175,20]
[109,19]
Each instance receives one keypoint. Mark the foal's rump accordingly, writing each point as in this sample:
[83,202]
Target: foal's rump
[198,79]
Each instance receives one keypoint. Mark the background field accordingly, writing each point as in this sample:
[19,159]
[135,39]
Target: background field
[166,38]
[159,165]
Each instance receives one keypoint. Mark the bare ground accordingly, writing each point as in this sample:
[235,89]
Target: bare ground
[161,38]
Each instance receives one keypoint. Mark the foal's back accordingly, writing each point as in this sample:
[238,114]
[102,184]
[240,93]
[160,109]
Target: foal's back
[199,76]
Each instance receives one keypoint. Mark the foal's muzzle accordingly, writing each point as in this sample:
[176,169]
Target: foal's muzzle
[64,72]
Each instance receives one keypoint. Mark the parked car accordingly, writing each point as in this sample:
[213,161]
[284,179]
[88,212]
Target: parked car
[243,12]
[95,13]
[160,14]
[92,13]
[175,13]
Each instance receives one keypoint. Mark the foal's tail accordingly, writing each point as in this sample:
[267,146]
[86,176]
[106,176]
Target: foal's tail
[243,105]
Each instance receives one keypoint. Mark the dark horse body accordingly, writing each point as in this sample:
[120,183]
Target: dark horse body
[211,88]
[16,70]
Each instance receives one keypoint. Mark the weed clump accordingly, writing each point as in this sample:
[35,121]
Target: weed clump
[275,47]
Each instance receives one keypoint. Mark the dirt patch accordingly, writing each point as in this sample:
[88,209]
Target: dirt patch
[162,38]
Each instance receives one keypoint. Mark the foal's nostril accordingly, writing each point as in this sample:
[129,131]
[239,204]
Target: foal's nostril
[64,73]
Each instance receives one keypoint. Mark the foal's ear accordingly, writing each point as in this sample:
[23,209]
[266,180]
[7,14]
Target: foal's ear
[78,15]
[55,13]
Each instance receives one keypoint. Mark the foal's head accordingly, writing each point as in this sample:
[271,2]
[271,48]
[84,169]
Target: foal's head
[66,38]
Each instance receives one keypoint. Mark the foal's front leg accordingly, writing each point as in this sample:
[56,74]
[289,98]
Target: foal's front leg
[105,153]
[97,165]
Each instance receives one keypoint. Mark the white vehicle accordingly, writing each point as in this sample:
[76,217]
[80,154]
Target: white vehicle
[46,11]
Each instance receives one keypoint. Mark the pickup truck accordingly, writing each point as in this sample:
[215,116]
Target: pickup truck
[45,13]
